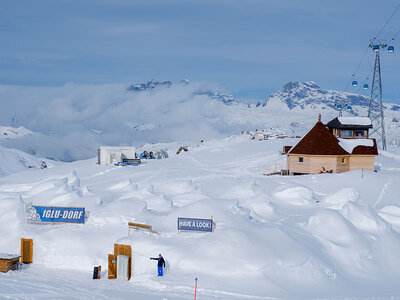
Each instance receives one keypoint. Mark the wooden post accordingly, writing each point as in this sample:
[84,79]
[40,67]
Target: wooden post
[26,251]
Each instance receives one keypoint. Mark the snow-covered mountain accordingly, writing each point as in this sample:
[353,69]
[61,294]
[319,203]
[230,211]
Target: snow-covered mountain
[307,98]
[13,161]
[7,132]
[70,122]
[202,90]
[310,95]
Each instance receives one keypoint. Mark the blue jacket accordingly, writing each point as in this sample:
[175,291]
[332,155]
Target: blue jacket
[141,156]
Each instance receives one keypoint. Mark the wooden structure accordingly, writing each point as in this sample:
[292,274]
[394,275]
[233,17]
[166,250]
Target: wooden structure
[350,127]
[27,251]
[319,149]
[119,249]
[137,226]
[9,262]
[112,266]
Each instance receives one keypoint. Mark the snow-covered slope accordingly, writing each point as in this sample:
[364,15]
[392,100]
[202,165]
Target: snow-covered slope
[72,121]
[317,236]
[13,133]
[13,161]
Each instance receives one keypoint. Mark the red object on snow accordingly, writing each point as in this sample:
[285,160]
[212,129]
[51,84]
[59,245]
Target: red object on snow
[195,289]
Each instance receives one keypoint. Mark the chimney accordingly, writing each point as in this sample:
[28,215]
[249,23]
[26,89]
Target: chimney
[319,118]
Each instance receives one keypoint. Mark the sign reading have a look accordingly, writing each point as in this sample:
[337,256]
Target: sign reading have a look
[195,224]
[55,214]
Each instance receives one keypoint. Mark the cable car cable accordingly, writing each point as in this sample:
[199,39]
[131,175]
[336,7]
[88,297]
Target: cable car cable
[388,20]
[358,67]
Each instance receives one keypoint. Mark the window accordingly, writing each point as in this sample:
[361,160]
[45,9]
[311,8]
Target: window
[346,133]
[300,159]
[343,160]
[360,133]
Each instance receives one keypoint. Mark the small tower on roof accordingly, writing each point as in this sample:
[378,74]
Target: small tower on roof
[350,127]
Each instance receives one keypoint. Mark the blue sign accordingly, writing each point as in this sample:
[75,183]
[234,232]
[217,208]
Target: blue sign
[195,224]
[56,214]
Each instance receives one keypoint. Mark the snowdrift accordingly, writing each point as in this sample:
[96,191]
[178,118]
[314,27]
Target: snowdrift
[329,235]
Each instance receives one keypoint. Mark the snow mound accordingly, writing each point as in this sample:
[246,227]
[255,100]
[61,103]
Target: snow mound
[339,198]
[292,194]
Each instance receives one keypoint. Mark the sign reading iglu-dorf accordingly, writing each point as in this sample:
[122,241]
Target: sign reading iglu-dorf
[55,214]
[195,224]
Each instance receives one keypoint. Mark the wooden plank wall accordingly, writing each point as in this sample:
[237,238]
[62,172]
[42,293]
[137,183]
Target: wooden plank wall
[311,164]
[124,250]
[27,251]
[358,162]
[9,264]
[112,266]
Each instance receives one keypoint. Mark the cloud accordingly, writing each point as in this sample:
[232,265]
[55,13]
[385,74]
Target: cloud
[70,122]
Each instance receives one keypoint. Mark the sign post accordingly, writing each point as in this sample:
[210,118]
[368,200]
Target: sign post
[191,224]
[55,214]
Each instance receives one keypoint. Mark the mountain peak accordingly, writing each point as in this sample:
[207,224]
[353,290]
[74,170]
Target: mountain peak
[295,85]
[303,94]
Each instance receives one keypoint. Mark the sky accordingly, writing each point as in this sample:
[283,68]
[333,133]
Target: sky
[250,48]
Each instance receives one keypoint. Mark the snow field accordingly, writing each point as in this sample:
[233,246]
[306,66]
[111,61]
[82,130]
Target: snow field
[286,237]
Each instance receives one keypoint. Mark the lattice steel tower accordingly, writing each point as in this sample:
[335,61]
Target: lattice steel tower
[375,111]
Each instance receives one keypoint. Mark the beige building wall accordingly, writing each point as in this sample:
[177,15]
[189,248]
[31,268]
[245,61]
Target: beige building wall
[312,164]
[365,162]
[342,164]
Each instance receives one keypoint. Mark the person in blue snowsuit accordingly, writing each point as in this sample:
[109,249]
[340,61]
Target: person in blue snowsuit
[143,155]
[160,264]
[151,155]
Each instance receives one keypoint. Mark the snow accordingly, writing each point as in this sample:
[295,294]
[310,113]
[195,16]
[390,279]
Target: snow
[7,132]
[70,122]
[349,144]
[363,121]
[313,236]
[12,160]
[8,256]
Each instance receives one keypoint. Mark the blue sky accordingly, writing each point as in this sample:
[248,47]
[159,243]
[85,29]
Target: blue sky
[250,47]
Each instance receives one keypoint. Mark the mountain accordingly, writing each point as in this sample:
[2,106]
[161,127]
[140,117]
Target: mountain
[200,90]
[307,98]
[148,86]
[7,132]
[13,161]
[70,122]
[303,94]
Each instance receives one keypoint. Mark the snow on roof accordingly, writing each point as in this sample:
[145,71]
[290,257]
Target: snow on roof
[9,256]
[364,121]
[350,144]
